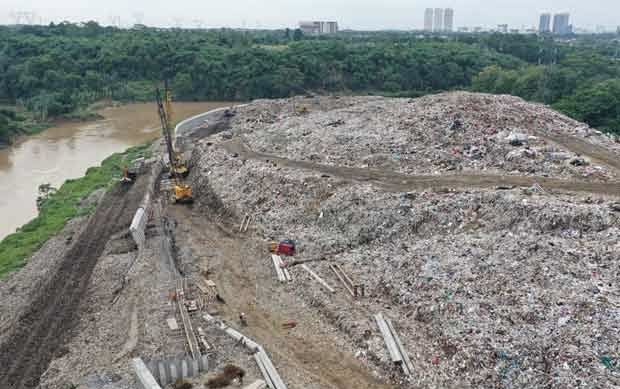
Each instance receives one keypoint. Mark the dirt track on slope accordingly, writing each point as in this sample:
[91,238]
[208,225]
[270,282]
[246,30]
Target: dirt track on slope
[48,322]
[393,181]
[582,147]
[305,358]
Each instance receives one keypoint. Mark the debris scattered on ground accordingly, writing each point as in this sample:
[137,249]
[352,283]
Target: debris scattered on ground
[182,384]
[509,286]
[487,287]
[495,134]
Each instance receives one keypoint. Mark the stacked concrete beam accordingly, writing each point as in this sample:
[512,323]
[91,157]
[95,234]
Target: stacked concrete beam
[138,227]
[138,224]
[169,370]
[144,377]
[269,372]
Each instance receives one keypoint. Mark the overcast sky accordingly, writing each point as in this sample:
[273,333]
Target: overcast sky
[355,14]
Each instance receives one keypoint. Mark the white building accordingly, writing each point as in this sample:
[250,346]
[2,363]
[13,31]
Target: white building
[561,24]
[544,25]
[318,27]
[428,20]
[448,19]
[438,25]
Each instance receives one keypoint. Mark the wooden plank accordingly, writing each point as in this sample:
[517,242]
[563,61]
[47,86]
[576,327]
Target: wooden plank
[190,336]
[248,223]
[407,365]
[276,263]
[243,222]
[388,339]
[346,276]
[336,271]
[319,279]
[287,274]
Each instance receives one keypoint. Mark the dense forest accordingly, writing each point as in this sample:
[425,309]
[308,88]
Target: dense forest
[54,70]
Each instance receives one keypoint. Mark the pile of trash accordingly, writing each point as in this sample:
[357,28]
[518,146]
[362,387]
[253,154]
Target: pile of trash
[430,135]
[487,288]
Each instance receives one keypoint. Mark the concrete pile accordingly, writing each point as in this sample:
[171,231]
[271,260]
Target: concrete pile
[487,288]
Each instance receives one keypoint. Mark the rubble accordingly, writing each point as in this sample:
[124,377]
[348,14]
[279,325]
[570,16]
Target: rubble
[513,286]
[419,135]
[488,288]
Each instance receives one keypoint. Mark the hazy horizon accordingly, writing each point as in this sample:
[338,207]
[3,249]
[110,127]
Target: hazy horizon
[353,14]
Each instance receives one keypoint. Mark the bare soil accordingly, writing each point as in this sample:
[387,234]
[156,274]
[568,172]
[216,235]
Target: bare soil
[309,356]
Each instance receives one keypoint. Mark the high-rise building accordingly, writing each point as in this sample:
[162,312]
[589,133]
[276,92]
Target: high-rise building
[448,19]
[318,27]
[544,26]
[438,25]
[561,24]
[428,20]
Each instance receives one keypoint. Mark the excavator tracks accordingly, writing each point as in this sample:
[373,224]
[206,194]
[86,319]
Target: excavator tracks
[47,325]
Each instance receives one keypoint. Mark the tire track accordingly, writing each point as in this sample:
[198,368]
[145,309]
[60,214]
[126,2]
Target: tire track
[394,181]
[48,322]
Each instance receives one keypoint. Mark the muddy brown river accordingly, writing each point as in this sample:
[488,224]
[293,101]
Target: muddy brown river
[68,149]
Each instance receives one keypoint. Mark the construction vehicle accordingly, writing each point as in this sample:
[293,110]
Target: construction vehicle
[131,173]
[182,193]
[128,177]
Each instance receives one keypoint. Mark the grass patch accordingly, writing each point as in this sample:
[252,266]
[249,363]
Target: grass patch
[61,207]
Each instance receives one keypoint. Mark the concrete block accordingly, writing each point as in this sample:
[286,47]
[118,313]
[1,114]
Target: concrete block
[152,365]
[163,374]
[184,369]
[203,362]
[174,373]
[143,375]
[195,367]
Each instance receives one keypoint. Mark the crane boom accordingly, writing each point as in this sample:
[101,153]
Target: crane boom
[182,192]
[165,126]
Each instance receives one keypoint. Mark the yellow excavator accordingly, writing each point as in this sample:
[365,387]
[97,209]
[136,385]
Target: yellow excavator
[178,170]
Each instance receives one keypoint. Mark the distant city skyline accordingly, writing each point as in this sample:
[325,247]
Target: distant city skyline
[351,14]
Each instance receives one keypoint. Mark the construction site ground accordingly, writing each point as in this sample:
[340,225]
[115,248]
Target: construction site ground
[484,227]
[311,355]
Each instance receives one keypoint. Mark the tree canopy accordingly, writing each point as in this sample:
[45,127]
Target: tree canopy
[53,70]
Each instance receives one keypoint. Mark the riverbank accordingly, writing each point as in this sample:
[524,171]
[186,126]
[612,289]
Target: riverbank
[61,207]
[16,123]
[68,148]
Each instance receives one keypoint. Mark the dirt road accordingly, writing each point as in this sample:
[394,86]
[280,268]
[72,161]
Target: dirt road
[393,181]
[47,324]
[305,358]
[582,147]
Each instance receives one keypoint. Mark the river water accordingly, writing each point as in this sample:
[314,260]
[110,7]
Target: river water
[68,149]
